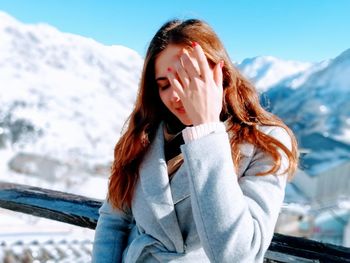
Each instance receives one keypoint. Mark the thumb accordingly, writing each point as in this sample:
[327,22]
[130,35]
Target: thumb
[218,73]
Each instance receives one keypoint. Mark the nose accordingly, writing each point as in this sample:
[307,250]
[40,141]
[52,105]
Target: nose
[174,97]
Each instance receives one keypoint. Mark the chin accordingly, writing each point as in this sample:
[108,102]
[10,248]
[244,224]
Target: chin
[182,117]
[186,122]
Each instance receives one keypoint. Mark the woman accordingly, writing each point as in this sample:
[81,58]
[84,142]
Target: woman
[199,173]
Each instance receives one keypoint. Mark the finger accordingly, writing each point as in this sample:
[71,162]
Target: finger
[202,60]
[218,74]
[181,72]
[175,83]
[189,66]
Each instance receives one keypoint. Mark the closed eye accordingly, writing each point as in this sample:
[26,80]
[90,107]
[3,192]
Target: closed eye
[164,87]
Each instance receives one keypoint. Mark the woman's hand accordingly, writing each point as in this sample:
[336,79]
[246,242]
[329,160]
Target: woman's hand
[198,86]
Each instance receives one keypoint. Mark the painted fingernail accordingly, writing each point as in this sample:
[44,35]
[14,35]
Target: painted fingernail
[221,64]
[194,44]
[169,69]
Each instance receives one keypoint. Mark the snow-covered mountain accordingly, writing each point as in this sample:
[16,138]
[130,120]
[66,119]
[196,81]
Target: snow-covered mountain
[321,103]
[267,71]
[318,111]
[313,99]
[64,99]
[310,97]
[63,96]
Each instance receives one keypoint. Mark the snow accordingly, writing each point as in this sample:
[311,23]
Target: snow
[75,90]
[344,136]
[6,19]
[296,80]
[77,93]
[14,227]
[335,75]
[323,109]
[267,71]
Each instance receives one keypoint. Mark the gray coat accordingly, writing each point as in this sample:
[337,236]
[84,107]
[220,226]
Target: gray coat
[206,213]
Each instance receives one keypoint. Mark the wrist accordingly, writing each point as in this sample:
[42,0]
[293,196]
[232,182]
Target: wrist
[198,131]
[205,121]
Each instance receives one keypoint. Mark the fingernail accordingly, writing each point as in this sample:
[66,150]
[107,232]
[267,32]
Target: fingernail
[169,69]
[221,63]
[194,44]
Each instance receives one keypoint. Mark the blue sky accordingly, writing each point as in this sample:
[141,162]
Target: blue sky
[306,30]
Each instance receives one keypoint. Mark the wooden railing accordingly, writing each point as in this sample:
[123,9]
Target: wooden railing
[83,212]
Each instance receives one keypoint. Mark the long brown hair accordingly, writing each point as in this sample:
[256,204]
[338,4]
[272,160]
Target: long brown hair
[241,110]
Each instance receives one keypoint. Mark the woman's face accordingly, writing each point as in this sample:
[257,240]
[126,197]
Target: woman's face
[166,59]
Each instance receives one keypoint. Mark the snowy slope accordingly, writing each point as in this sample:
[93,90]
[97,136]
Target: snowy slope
[322,103]
[267,71]
[70,94]
[65,97]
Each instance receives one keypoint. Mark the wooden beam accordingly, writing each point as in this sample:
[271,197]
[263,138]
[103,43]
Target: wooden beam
[83,211]
[69,208]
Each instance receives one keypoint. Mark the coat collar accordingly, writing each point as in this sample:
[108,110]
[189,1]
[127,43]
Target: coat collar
[155,185]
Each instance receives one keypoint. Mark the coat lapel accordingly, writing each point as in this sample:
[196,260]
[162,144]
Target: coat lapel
[247,152]
[155,185]
[179,185]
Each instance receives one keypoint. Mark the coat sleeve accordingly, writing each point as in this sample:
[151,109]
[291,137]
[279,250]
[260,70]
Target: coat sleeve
[111,234]
[235,219]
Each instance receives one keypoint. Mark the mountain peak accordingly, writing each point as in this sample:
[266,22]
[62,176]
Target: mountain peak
[6,19]
[344,57]
[266,71]
[345,53]
[55,83]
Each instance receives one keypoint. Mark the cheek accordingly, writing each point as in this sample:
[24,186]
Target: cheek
[163,97]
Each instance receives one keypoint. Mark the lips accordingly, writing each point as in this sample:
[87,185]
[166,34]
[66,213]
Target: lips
[180,110]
